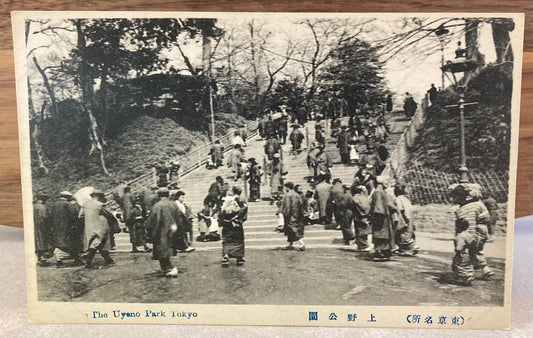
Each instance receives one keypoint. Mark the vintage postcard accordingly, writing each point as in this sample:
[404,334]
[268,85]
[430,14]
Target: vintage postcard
[297,169]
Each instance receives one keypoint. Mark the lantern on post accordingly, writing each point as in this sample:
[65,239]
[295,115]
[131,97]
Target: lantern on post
[461,64]
[440,33]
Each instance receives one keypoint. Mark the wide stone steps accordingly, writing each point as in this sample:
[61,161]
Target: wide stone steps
[262,220]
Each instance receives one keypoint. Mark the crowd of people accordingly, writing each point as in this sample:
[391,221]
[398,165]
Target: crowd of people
[369,204]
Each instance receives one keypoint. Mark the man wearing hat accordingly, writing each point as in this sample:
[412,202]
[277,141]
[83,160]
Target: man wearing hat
[382,207]
[254,179]
[163,223]
[215,191]
[282,127]
[296,137]
[344,214]
[343,143]
[292,210]
[41,227]
[97,229]
[272,146]
[471,233]
[311,162]
[65,227]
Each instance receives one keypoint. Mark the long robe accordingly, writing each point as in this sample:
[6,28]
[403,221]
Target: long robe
[335,197]
[292,210]
[64,220]
[41,223]
[343,143]
[97,229]
[296,137]
[404,234]
[272,146]
[232,217]
[322,191]
[276,178]
[382,207]
[165,215]
[255,182]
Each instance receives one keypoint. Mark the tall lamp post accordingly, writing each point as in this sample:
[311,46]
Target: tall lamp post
[461,64]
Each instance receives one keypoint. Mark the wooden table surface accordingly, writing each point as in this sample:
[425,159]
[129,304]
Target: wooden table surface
[10,191]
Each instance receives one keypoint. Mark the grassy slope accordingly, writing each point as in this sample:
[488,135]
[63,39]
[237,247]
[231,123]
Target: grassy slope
[142,143]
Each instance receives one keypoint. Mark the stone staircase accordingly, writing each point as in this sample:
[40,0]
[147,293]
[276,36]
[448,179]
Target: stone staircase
[262,220]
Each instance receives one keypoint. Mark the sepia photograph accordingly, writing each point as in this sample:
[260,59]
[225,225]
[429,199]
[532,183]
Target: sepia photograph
[321,165]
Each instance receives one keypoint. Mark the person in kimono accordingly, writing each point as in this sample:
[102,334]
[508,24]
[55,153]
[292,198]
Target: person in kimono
[217,154]
[296,137]
[292,210]
[64,227]
[234,160]
[404,229]
[41,227]
[382,208]
[343,143]
[361,209]
[322,193]
[471,233]
[323,163]
[276,178]
[234,213]
[254,179]
[163,223]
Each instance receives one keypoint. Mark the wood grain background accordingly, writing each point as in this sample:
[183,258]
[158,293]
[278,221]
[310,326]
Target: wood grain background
[10,191]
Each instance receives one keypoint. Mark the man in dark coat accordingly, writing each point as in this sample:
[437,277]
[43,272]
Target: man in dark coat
[292,210]
[382,207]
[65,226]
[388,103]
[296,137]
[270,129]
[432,93]
[41,227]
[343,143]
[214,193]
[282,128]
[163,223]
[361,208]
[272,146]
[148,200]
[344,214]
[128,206]
[336,195]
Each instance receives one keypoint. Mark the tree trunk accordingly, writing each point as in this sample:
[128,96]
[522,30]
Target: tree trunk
[48,86]
[35,131]
[502,40]
[35,121]
[206,67]
[87,98]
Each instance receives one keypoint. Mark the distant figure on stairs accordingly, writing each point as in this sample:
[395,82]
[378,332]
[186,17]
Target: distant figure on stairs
[217,154]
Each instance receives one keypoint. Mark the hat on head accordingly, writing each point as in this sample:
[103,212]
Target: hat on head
[236,190]
[337,180]
[252,159]
[97,192]
[65,194]
[180,193]
[162,191]
[347,186]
